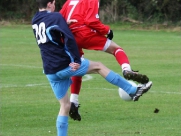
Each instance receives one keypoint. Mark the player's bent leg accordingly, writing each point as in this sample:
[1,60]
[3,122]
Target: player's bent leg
[123,60]
[110,47]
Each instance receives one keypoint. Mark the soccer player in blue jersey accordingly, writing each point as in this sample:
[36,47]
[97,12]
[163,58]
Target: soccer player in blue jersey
[61,61]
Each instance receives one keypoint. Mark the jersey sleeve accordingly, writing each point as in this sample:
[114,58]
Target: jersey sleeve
[92,18]
[69,39]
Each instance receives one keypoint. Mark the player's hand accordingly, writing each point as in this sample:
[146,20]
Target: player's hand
[71,21]
[74,66]
[110,35]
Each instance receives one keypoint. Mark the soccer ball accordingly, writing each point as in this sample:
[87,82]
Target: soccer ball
[123,94]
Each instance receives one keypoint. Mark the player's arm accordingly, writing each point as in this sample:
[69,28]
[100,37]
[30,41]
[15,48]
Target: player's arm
[92,18]
[69,40]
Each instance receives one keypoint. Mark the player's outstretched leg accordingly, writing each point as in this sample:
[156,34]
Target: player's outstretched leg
[74,113]
[135,76]
[142,88]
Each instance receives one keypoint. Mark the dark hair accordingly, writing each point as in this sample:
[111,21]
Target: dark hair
[43,3]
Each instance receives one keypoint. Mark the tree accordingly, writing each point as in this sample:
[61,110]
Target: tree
[110,10]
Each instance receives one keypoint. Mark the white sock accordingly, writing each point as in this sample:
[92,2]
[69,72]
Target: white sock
[125,66]
[74,99]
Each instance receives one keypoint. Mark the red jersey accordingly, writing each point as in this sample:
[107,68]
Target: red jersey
[86,13]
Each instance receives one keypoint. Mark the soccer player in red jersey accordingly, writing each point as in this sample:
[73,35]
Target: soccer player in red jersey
[91,34]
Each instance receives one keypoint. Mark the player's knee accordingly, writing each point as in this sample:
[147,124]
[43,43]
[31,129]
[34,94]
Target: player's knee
[111,49]
[95,67]
[100,65]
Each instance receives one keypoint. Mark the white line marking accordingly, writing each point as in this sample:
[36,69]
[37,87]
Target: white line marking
[24,66]
[28,85]
[89,78]
[85,78]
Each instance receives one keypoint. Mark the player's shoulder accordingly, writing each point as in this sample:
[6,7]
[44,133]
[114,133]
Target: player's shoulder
[56,15]
[90,3]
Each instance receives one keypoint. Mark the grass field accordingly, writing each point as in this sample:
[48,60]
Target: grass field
[29,108]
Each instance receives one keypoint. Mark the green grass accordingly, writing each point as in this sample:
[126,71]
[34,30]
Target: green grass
[29,108]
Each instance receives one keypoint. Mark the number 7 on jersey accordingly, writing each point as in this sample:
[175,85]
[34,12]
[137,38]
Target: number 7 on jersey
[74,3]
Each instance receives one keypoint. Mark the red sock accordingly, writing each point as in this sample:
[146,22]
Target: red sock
[121,56]
[76,85]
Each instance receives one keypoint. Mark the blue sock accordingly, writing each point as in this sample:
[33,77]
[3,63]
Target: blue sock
[119,81]
[62,125]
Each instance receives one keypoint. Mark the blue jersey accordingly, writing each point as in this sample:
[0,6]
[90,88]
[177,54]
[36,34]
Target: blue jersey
[55,40]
